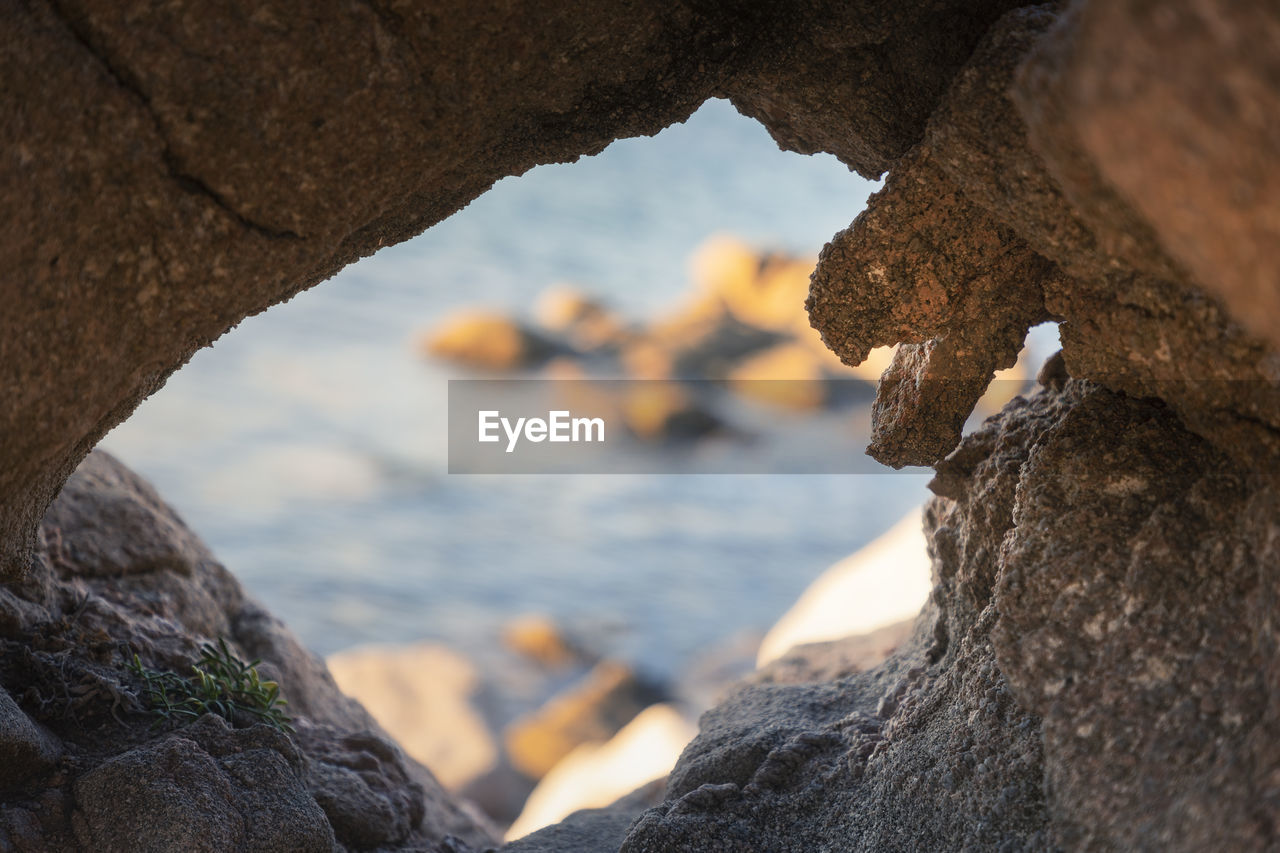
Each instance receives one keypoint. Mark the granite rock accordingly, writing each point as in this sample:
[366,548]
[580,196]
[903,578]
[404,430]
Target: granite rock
[1053,695]
[1096,668]
[117,574]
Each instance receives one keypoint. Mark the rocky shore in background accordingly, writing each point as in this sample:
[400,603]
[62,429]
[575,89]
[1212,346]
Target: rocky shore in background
[741,331]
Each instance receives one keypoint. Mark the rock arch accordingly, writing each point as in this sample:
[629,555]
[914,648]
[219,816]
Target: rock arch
[1105,554]
[172,170]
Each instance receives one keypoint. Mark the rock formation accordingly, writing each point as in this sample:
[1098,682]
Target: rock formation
[596,775]
[1098,666]
[174,170]
[89,766]
[885,582]
[1111,694]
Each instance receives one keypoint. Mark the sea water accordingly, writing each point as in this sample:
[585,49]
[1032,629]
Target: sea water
[308,446]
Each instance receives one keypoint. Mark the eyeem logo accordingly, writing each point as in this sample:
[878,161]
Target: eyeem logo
[560,426]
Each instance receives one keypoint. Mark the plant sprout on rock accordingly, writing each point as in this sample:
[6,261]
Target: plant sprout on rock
[220,683]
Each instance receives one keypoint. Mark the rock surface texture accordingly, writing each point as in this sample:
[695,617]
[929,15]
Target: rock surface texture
[1112,694]
[1098,668]
[117,573]
[173,169]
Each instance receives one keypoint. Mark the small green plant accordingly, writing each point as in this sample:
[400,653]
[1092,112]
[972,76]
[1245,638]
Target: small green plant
[220,684]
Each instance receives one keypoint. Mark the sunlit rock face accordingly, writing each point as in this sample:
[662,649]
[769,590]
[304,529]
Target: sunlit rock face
[1097,667]
[982,231]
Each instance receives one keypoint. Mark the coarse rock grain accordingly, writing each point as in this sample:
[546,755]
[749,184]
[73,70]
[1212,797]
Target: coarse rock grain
[118,573]
[1112,696]
[1097,666]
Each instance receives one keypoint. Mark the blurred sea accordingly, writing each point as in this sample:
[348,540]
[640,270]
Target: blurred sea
[308,447]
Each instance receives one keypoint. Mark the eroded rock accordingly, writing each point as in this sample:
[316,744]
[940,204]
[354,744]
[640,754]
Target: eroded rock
[196,165]
[176,169]
[1055,695]
[1147,652]
[361,782]
[1177,108]
[204,788]
[26,751]
[1097,667]
[994,223]
[929,750]
[119,574]
[923,265]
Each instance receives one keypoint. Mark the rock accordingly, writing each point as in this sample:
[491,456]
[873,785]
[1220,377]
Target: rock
[712,671]
[180,194]
[539,639]
[26,751]
[1193,154]
[1095,666]
[595,775]
[1158,636]
[107,522]
[983,728]
[961,314]
[761,290]
[422,695]
[584,322]
[312,690]
[446,709]
[590,830]
[695,347]
[835,659]
[204,785]
[928,750]
[881,583]
[488,341]
[665,413]
[591,711]
[858,85]
[1131,318]
[923,402]
[207,788]
[361,782]
[38,824]
[1013,244]
[789,376]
